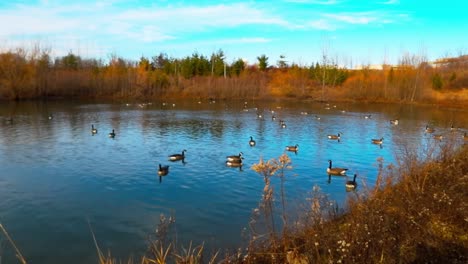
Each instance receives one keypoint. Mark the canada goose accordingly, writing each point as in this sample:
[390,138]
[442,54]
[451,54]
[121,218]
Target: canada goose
[252,142]
[112,134]
[338,136]
[273,117]
[163,170]
[283,124]
[93,130]
[352,184]
[438,137]
[429,129]
[453,129]
[465,136]
[175,157]
[367,116]
[292,148]
[317,117]
[394,122]
[377,141]
[237,158]
[335,171]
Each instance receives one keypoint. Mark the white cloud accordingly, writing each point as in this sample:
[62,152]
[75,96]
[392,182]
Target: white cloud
[142,24]
[112,25]
[200,17]
[322,24]
[354,18]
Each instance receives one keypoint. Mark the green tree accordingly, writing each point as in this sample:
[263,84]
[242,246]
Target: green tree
[238,66]
[262,62]
[437,82]
[217,63]
[145,64]
[71,61]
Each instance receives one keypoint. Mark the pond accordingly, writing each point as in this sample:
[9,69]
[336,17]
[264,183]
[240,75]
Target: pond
[56,175]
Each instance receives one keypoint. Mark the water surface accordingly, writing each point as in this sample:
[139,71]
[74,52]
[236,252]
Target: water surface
[55,175]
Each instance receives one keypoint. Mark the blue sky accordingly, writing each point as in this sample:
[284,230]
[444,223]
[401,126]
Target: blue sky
[349,32]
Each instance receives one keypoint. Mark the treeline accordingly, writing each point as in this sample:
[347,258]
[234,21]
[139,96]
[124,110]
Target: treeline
[35,74]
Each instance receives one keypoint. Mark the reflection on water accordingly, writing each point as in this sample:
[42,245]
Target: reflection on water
[56,172]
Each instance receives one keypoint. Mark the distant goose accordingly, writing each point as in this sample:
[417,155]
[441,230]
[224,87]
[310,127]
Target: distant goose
[377,141]
[453,129]
[163,170]
[235,157]
[50,117]
[335,137]
[283,124]
[429,129]
[294,148]
[465,136]
[112,134]
[273,117]
[367,116]
[317,117]
[352,184]
[93,130]
[394,122]
[175,157]
[438,137]
[252,142]
[304,113]
[335,171]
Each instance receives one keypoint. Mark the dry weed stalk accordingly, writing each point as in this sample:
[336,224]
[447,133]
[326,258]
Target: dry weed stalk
[18,253]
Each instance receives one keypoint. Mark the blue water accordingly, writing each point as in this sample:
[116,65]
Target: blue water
[55,176]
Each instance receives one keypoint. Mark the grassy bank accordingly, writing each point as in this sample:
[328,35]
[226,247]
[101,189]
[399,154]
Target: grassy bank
[416,214]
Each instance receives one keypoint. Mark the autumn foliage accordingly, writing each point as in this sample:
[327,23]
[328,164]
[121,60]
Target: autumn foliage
[35,75]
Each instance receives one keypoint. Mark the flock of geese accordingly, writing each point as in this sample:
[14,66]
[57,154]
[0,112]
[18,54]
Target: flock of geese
[237,160]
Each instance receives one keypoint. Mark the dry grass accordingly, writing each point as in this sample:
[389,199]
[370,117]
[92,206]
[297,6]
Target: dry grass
[12,243]
[418,213]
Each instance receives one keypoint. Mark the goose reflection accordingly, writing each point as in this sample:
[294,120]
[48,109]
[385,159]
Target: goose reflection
[235,164]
